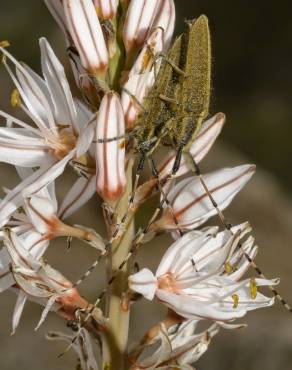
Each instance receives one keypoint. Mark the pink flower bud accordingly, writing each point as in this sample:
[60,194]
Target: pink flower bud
[106,9]
[87,34]
[145,15]
[110,155]
[141,77]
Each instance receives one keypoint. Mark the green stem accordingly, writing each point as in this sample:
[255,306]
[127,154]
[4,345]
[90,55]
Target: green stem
[119,317]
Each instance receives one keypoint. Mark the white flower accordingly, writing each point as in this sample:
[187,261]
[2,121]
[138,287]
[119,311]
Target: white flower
[199,274]
[23,271]
[62,133]
[40,223]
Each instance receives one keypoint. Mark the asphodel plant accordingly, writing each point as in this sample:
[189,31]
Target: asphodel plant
[143,103]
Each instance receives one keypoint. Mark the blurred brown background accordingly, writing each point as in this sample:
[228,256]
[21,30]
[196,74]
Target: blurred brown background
[252,83]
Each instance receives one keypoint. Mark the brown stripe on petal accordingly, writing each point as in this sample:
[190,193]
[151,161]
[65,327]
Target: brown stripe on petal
[91,34]
[78,196]
[212,191]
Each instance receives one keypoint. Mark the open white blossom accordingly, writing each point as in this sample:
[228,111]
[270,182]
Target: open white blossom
[62,131]
[193,281]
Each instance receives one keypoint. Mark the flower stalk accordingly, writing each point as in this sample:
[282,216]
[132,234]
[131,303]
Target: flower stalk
[118,331]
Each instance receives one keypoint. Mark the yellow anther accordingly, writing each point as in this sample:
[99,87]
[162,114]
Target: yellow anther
[107,366]
[228,268]
[4,44]
[235,300]
[15,98]
[253,288]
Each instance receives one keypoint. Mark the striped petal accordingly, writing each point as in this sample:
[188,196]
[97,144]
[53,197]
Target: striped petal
[106,9]
[78,195]
[110,156]
[53,71]
[87,34]
[192,205]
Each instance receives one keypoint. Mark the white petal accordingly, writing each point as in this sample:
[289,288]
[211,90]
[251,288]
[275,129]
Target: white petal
[10,120]
[143,282]
[64,107]
[78,195]
[138,85]
[57,11]
[22,153]
[85,138]
[106,9]
[48,174]
[193,309]
[140,17]
[41,213]
[192,205]
[29,185]
[47,309]
[18,309]
[87,34]
[216,249]
[165,19]
[35,243]
[32,96]
[18,253]
[110,156]
[180,252]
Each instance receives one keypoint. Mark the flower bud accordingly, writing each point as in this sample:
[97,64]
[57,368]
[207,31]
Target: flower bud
[145,15]
[87,34]
[165,19]
[191,204]
[141,77]
[110,149]
[106,9]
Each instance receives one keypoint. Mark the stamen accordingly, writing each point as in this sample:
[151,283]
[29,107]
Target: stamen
[15,99]
[253,288]
[229,269]
[235,300]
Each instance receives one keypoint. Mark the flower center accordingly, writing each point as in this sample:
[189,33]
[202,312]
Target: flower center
[67,142]
[167,282]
